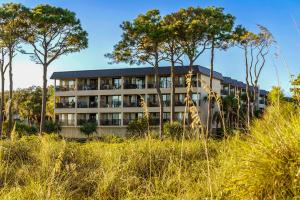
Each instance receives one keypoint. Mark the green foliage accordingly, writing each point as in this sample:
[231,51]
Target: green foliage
[137,127]
[275,96]
[266,164]
[22,129]
[111,139]
[52,127]
[57,27]
[89,128]
[173,130]
[262,165]
[295,89]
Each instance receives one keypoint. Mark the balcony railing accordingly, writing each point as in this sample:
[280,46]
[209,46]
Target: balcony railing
[113,104]
[224,92]
[64,88]
[110,122]
[88,87]
[134,86]
[83,104]
[179,103]
[151,85]
[80,122]
[67,122]
[65,105]
[131,104]
[180,85]
[152,104]
[166,103]
[109,87]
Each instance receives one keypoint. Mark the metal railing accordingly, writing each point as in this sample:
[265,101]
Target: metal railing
[65,105]
[110,122]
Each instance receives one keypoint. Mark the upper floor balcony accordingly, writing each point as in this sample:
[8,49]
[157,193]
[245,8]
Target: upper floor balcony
[83,118]
[134,82]
[110,119]
[65,85]
[65,119]
[87,102]
[110,101]
[87,84]
[65,102]
[110,83]
[133,100]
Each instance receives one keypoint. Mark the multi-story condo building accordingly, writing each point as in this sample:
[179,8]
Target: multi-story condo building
[111,97]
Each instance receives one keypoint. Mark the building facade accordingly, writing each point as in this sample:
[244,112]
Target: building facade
[112,97]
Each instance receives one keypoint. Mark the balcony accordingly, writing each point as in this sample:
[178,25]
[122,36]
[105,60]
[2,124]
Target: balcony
[81,122]
[111,104]
[134,86]
[131,104]
[83,104]
[64,88]
[151,85]
[153,104]
[179,103]
[166,103]
[224,92]
[65,105]
[67,122]
[88,87]
[110,122]
[110,87]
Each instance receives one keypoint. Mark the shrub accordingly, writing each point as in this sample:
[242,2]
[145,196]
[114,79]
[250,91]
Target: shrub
[24,129]
[173,130]
[52,127]
[265,165]
[89,128]
[137,127]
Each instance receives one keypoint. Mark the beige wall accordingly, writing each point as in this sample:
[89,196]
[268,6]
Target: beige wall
[73,132]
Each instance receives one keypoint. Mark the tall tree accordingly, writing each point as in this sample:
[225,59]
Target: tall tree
[190,27]
[3,68]
[11,17]
[262,45]
[173,54]
[142,42]
[244,39]
[52,32]
[295,89]
[219,32]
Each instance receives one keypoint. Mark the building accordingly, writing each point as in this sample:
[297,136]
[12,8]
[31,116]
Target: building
[111,97]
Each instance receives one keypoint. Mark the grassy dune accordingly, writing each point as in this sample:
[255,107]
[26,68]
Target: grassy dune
[262,165]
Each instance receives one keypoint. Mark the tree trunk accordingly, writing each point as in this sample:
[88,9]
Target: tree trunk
[247,88]
[44,98]
[160,101]
[10,120]
[172,92]
[209,110]
[189,117]
[2,98]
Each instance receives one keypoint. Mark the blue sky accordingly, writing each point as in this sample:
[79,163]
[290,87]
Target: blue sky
[101,19]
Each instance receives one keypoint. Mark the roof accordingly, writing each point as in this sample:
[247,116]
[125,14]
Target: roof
[141,71]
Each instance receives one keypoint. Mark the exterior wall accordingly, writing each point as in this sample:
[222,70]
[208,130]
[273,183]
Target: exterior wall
[74,132]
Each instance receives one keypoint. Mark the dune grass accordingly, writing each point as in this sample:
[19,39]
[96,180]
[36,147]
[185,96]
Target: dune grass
[262,165]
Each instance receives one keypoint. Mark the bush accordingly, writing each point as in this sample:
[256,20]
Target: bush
[173,130]
[52,127]
[137,127]
[265,165]
[24,129]
[89,128]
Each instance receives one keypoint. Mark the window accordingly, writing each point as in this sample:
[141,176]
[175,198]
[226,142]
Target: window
[165,82]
